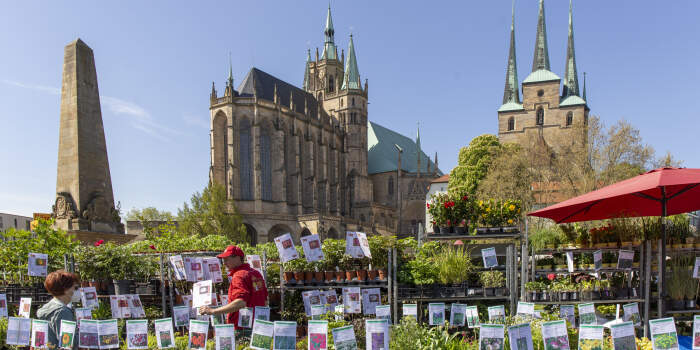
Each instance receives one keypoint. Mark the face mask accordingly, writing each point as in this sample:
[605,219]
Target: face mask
[76,297]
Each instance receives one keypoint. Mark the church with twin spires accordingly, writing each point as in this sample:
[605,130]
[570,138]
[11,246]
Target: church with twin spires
[307,159]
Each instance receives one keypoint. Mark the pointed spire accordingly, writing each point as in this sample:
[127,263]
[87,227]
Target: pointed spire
[541,59]
[511,93]
[307,72]
[436,164]
[584,87]
[230,71]
[275,96]
[329,50]
[213,91]
[571,74]
[351,80]
[418,151]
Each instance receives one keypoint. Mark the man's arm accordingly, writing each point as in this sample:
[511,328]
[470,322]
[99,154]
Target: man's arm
[226,309]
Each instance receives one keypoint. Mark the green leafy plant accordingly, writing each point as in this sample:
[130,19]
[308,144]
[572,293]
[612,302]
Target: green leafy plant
[454,265]
[492,279]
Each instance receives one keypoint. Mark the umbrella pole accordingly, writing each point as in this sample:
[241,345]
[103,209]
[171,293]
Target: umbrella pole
[662,283]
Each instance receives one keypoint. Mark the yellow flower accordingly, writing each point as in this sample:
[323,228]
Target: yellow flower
[510,221]
[483,215]
[512,207]
[488,209]
[481,202]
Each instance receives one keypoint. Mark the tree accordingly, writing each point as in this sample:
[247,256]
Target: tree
[149,214]
[473,164]
[210,212]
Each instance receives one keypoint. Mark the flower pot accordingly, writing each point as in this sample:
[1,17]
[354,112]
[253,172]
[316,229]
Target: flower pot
[361,275]
[444,230]
[544,295]
[690,304]
[339,276]
[372,275]
[678,304]
[85,284]
[532,296]
[573,296]
[564,296]
[481,230]
[350,275]
[622,293]
[382,274]
[330,276]
[595,295]
[299,276]
[319,276]
[501,291]
[178,299]
[288,277]
[489,292]
[309,276]
[460,230]
[122,286]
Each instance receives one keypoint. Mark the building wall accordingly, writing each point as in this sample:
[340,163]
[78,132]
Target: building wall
[18,222]
[435,187]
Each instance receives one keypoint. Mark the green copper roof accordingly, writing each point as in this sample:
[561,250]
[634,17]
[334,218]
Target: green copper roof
[511,92]
[540,76]
[572,100]
[307,71]
[382,155]
[351,80]
[541,58]
[329,50]
[570,74]
[510,106]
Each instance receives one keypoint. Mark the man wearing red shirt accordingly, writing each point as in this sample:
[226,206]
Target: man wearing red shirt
[247,287]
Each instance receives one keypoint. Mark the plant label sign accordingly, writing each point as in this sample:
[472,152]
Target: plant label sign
[598,259]
[344,338]
[555,336]
[114,305]
[108,334]
[255,262]
[285,333]
[472,317]
[310,298]
[25,307]
[3,305]
[696,268]
[631,313]
[489,257]
[40,332]
[317,336]
[590,337]
[497,313]
[436,314]
[164,333]
[245,317]
[202,293]
[624,259]
[212,269]
[67,334]
[193,269]
[623,336]
[137,334]
[351,300]
[37,264]
[83,313]
[520,337]
[88,296]
[526,308]
[339,312]
[383,312]
[198,334]
[317,311]
[331,299]
[410,310]
[567,312]
[262,313]
[261,338]
[285,247]
[135,306]
[376,335]
[491,337]
[19,331]
[356,245]
[181,315]
[178,266]
[586,314]
[570,261]
[458,314]
[225,337]
[663,334]
[312,248]
[696,332]
[371,297]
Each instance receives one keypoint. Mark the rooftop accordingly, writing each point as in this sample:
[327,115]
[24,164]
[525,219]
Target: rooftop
[540,75]
[382,154]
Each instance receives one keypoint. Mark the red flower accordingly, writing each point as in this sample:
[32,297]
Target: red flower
[551,276]
[464,198]
[447,205]
[427,205]
[99,243]
[448,222]
[152,247]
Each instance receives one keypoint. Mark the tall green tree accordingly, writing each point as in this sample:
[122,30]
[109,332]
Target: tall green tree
[210,212]
[473,164]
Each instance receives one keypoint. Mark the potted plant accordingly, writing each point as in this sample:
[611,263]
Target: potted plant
[510,211]
[463,211]
[346,264]
[297,266]
[493,283]
[532,289]
[441,209]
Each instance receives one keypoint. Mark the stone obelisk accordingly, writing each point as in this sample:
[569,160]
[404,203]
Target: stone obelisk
[84,197]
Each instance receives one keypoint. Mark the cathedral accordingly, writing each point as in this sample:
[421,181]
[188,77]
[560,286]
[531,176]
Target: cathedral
[544,116]
[308,160]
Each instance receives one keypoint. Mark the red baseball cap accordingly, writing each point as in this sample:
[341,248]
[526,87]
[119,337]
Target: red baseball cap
[232,250]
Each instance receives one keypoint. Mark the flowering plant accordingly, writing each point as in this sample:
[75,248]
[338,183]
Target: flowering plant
[494,213]
[442,208]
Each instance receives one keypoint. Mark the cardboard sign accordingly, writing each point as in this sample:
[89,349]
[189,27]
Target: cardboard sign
[285,333]
[586,314]
[38,264]
[66,334]
[568,313]
[40,333]
[202,293]
[178,266]
[555,335]
[410,310]
[261,338]
[135,306]
[356,245]
[436,314]
[181,314]
[317,336]
[331,299]
[520,337]
[625,259]
[631,313]
[491,337]
[198,334]
[371,297]
[377,334]
[351,300]
[472,317]
[285,247]
[83,313]
[3,305]
[245,317]
[526,308]
[137,334]
[19,331]
[255,263]
[88,296]
[108,334]
[193,269]
[164,333]
[497,313]
[317,311]
[310,298]
[383,312]
[458,314]
[663,334]
[344,338]
[262,313]
[312,248]
[570,261]
[25,307]
[598,259]
[623,336]
[590,337]
[225,337]
[212,269]
[489,257]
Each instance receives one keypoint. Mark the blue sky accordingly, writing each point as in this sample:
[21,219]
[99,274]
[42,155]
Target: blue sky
[441,64]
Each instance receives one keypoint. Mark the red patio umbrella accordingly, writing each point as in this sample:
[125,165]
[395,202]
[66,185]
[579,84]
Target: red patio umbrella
[659,192]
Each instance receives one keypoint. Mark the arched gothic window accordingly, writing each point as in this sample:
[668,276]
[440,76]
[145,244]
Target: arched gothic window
[246,172]
[266,165]
[540,116]
[390,186]
[511,124]
[569,118]
[331,84]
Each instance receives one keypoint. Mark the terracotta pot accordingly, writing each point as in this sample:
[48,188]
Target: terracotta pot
[299,276]
[330,276]
[308,276]
[382,275]
[361,275]
[319,276]
[93,284]
[178,299]
[288,275]
[85,284]
[339,276]
[350,275]
[372,274]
